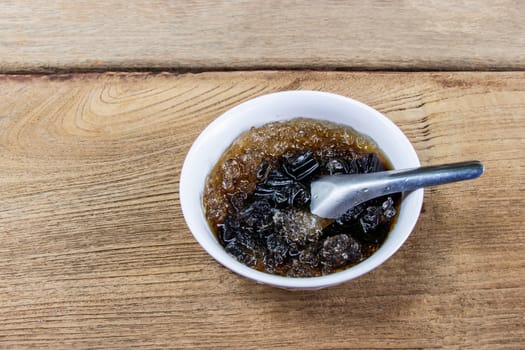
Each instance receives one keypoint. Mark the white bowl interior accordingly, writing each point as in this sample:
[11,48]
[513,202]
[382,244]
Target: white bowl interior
[219,135]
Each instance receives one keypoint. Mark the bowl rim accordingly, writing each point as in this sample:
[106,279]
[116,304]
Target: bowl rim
[411,203]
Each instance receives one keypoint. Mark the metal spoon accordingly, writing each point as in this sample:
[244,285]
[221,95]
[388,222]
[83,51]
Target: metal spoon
[333,195]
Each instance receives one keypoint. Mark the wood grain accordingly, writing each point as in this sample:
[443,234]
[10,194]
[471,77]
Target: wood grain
[50,36]
[95,253]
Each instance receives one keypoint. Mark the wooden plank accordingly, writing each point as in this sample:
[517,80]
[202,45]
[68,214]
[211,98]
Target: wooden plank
[50,36]
[95,253]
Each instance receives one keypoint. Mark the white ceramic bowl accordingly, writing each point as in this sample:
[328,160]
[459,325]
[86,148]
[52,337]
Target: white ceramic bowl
[218,136]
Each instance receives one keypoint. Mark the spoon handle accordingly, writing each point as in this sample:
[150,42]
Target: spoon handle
[412,179]
[334,195]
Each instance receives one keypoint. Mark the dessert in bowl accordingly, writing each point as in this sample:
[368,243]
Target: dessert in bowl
[258,158]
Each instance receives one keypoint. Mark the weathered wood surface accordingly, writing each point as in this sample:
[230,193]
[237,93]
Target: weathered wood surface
[95,253]
[48,36]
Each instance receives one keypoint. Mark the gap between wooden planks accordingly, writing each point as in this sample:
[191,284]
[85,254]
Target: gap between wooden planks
[95,252]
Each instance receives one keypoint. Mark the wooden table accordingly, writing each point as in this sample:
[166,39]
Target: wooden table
[94,251]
